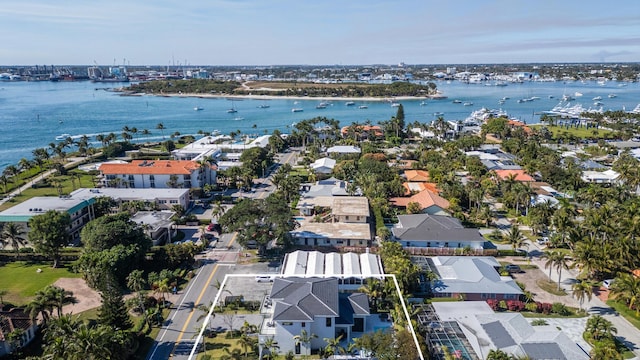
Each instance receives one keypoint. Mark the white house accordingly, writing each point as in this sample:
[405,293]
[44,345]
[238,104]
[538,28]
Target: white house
[323,166]
[316,306]
[343,149]
[600,177]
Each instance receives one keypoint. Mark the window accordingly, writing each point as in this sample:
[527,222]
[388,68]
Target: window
[287,323]
[173,201]
[304,324]
[328,322]
[297,348]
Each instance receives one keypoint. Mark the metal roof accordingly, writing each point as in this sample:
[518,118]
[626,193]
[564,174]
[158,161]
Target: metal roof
[314,263]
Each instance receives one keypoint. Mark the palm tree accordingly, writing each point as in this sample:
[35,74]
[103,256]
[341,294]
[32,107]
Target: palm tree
[516,238]
[373,289]
[497,355]
[136,282]
[304,338]
[333,345]
[12,234]
[582,290]
[272,348]
[558,260]
[627,288]
[160,127]
[600,328]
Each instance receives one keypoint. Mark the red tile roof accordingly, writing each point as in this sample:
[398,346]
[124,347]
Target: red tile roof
[151,167]
[521,175]
[425,198]
[377,131]
[420,186]
[416,175]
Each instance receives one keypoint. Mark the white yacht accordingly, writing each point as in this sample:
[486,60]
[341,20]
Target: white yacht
[63,137]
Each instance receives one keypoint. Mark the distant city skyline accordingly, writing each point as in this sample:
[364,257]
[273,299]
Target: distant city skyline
[328,32]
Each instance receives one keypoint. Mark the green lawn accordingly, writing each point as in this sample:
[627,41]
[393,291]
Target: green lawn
[628,314]
[551,287]
[582,133]
[21,280]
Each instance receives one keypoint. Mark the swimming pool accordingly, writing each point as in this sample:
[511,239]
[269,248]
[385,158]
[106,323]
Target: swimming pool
[298,218]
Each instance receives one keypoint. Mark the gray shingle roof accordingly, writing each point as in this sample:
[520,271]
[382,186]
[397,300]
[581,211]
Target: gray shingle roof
[427,227]
[302,299]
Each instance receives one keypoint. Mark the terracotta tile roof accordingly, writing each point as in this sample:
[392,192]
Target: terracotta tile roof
[420,186]
[515,124]
[151,167]
[521,175]
[425,198]
[416,175]
[377,131]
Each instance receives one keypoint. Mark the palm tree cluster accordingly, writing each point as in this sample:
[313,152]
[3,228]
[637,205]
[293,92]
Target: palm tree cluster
[47,300]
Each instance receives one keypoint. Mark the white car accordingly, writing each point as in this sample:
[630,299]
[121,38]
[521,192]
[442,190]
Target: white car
[607,283]
[265,278]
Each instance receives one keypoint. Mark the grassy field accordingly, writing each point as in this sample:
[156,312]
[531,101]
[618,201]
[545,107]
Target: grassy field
[21,280]
[582,133]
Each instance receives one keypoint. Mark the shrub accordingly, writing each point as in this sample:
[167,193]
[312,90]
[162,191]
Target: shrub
[533,307]
[560,309]
[493,304]
[545,308]
[539,322]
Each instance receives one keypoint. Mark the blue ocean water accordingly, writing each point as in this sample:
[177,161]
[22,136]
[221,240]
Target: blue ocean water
[32,114]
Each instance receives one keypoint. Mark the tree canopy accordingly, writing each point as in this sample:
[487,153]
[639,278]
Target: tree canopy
[49,233]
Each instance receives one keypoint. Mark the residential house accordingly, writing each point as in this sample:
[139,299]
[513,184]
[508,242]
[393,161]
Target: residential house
[316,306]
[157,225]
[517,175]
[362,132]
[157,174]
[343,150]
[324,165]
[435,231]
[416,175]
[346,223]
[601,177]
[471,278]
[471,330]
[429,201]
[15,320]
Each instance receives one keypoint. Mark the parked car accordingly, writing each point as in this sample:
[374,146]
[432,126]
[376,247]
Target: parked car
[512,268]
[542,240]
[265,278]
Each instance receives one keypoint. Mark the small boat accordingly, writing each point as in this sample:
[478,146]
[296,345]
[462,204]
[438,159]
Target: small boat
[263,106]
[598,103]
[322,105]
[551,96]
[423,103]
[232,111]
[456,101]
[395,104]
[198,108]
[611,96]
[350,103]
[438,113]
[535,98]
[468,103]
[363,107]
[238,118]
[577,94]
[505,98]
[297,110]
[63,137]
[597,98]
[215,132]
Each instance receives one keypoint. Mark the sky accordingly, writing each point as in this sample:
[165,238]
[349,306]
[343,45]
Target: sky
[317,32]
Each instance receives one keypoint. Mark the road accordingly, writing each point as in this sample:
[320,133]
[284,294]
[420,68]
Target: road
[176,337]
